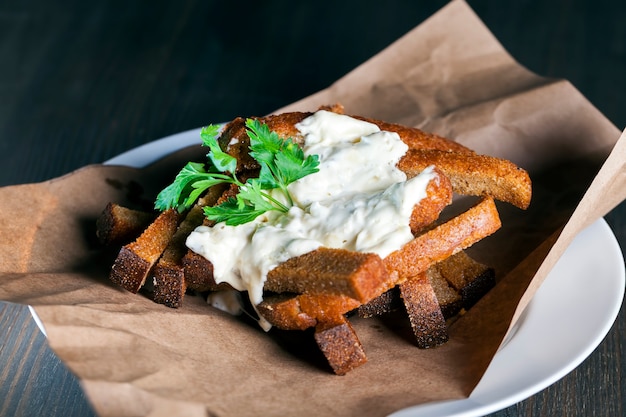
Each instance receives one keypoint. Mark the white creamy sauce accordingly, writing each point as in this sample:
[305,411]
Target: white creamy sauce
[227,300]
[359,200]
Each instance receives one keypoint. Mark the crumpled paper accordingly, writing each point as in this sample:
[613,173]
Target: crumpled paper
[450,76]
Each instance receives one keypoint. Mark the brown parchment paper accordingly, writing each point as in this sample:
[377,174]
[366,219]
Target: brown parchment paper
[449,75]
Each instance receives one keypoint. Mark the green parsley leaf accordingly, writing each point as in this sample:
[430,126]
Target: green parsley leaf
[282,162]
[293,165]
[264,144]
[231,213]
[222,161]
[176,195]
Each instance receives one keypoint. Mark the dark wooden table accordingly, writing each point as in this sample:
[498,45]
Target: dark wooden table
[82,81]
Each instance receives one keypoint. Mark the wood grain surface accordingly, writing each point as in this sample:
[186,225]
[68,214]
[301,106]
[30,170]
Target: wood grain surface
[82,81]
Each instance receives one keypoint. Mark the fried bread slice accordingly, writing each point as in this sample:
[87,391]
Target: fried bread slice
[428,209]
[199,273]
[236,142]
[468,277]
[119,225]
[450,301]
[285,312]
[418,139]
[444,240]
[301,311]
[425,315]
[473,174]
[136,259]
[387,302]
[340,345]
[361,276]
[169,275]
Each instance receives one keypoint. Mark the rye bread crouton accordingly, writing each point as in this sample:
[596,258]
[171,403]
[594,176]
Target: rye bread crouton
[136,259]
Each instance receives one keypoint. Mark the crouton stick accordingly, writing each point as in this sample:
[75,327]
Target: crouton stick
[468,277]
[118,225]
[136,259]
[301,311]
[470,173]
[199,273]
[331,271]
[444,240]
[474,174]
[340,345]
[385,303]
[425,315]
[169,276]
[418,139]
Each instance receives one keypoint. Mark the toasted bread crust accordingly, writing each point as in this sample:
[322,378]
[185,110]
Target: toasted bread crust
[445,240]
[340,345]
[469,278]
[425,315]
[418,139]
[199,273]
[361,276]
[474,174]
[387,302]
[118,225]
[428,209]
[449,299]
[136,259]
[285,312]
[301,311]
[130,270]
[169,285]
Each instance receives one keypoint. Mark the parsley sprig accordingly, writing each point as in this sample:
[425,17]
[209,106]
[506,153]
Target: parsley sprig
[282,162]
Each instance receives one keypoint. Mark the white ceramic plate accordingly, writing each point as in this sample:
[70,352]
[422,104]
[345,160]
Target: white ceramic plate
[554,334]
[542,349]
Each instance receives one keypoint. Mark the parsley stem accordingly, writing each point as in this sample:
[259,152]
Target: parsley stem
[283,187]
[277,203]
